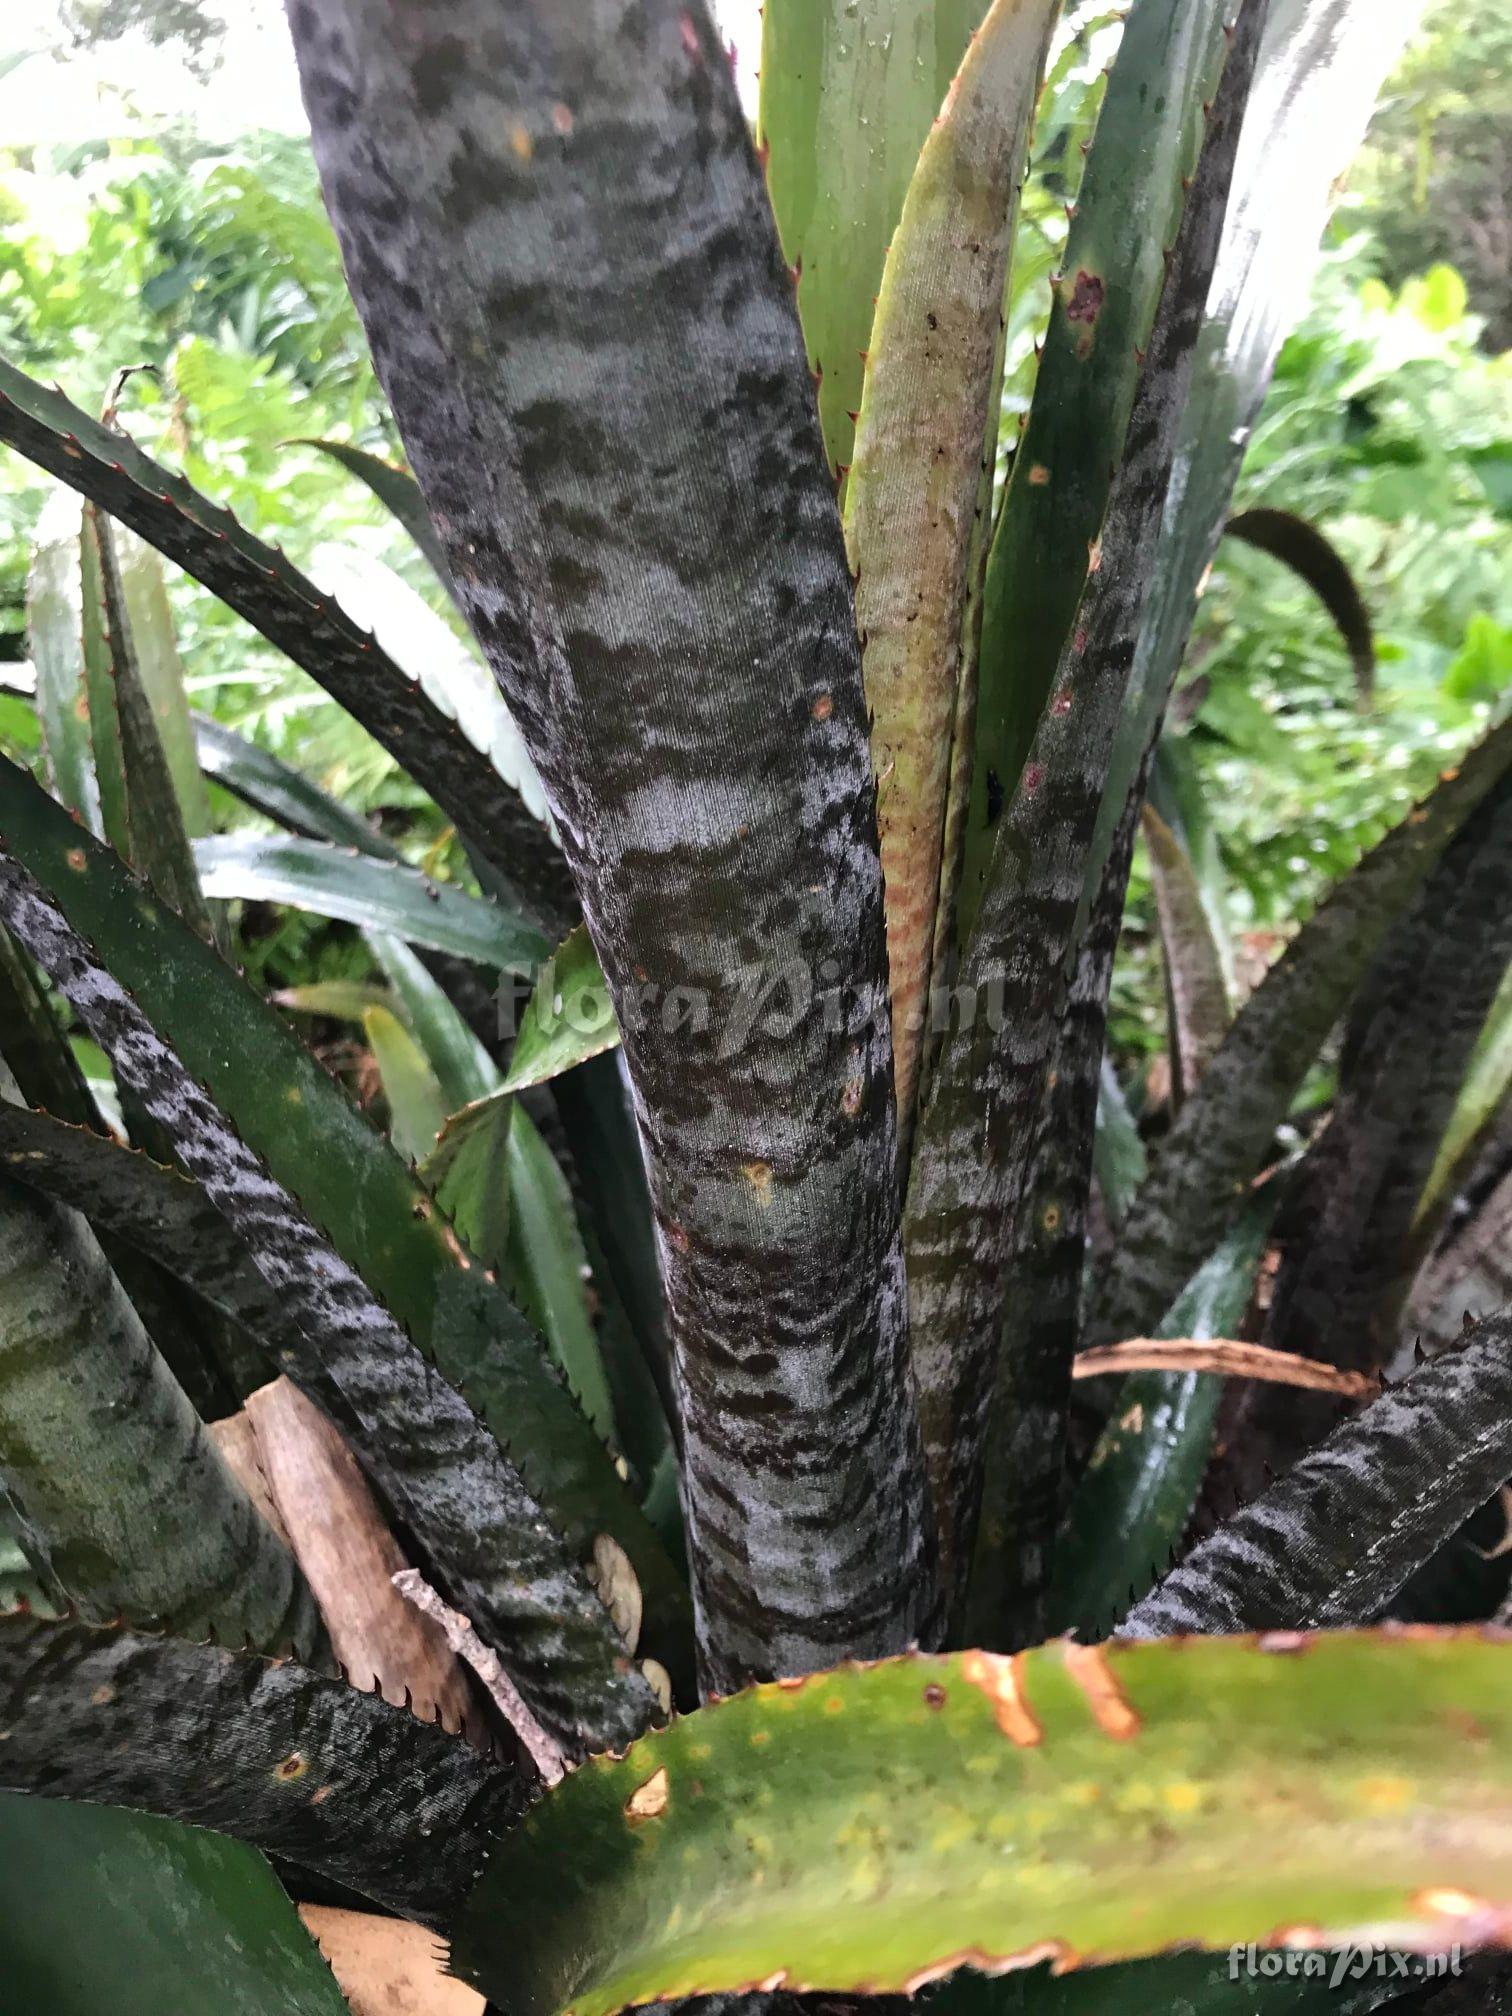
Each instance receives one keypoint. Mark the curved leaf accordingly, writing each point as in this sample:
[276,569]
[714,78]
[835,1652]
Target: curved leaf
[416,1107]
[146,819]
[1338,1536]
[464,1070]
[848,92]
[963,1199]
[568,1018]
[122,1498]
[933,362]
[1128,212]
[243,1745]
[142,1204]
[872,1829]
[1206,1162]
[1483,1094]
[281,792]
[472,1509]
[55,630]
[262,586]
[447,670]
[664,662]
[378,895]
[1346,1236]
[1317,561]
[1135,1497]
[178,1919]
[1195,981]
[396,490]
[1321,66]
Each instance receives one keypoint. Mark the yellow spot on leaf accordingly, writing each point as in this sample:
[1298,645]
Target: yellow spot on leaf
[759,1176]
[521,143]
[1183,1797]
[1387,1794]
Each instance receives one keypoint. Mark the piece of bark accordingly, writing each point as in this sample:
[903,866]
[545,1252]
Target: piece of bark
[386,1966]
[236,1439]
[349,1556]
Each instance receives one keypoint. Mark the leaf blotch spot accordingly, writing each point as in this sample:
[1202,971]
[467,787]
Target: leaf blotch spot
[934,1696]
[649,1801]
[1001,1680]
[1088,292]
[292,1767]
[1111,1710]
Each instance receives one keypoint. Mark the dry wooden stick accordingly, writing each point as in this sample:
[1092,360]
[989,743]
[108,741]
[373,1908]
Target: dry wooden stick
[549,1760]
[1223,1355]
[349,1558]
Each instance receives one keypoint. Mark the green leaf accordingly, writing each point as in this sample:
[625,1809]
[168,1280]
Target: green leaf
[1321,66]
[963,1200]
[568,1018]
[661,662]
[1483,1094]
[177,1919]
[416,1107]
[925,430]
[262,586]
[469,1171]
[1136,1495]
[848,94]
[1119,1151]
[224,1740]
[511,1203]
[1196,985]
[1205,1165]
[1317,561]
[280,792]
[548,1267]
[341,1000]
[1128,211]
[146,821]
[472,1511]
[1336,1539]
[123,1499]
[55,626]
[866,1831]
[396,490]
[464,1070]
[378,895]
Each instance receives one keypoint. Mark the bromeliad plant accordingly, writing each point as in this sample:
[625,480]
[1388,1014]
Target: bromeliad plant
[824,734]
